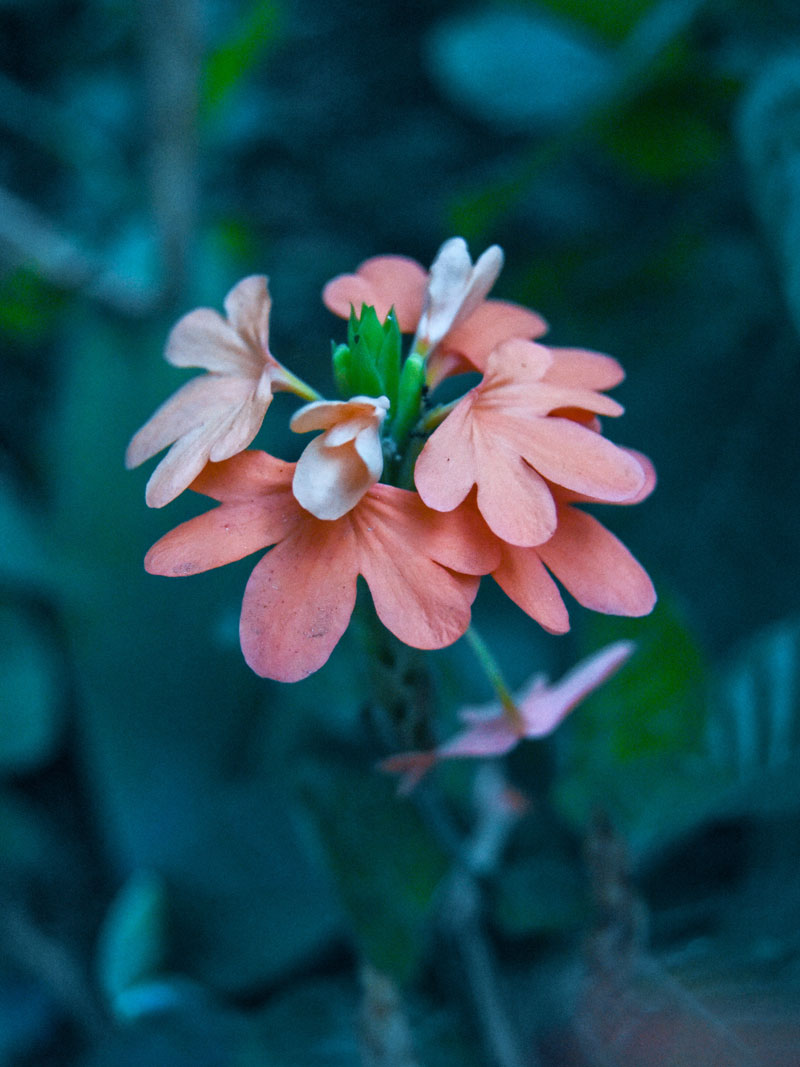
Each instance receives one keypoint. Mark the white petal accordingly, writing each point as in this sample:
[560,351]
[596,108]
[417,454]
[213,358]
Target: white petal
[456,288]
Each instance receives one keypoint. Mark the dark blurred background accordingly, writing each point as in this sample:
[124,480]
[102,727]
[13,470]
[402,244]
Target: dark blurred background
[194,863]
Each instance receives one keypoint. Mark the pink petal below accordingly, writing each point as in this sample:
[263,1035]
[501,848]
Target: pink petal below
[491,732]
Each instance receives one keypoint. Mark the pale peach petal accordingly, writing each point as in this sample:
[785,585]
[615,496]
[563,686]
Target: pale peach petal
[298,601]
[383,282]
[329,482]
[178,469]
[648,485]
[596,568]
[247,306]
[202,338]
[455,288]
[243,426]
[523,577]
[339,466]
[541,398]
[326,414]
[514,362]
[204,396]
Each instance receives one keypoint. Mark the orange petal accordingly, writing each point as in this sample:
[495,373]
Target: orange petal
[490,324]
[524,578]
[568,454]
[595,567]
[582,369]
[422,602]
[382,282]
[445,469]
[214,539]
[245,476]
[298,601]
[259,511]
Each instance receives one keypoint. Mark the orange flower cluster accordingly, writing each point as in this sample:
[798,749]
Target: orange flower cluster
[486,485]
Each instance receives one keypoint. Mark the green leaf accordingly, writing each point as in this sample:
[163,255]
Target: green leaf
[769,136]
[634,747]
[232,60]
[133,938]
[384,861]
[518,69]
[753,731]
[541,894]
[168,707]
[31,706]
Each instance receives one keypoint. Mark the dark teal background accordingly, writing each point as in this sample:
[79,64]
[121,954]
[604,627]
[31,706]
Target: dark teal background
[194,862]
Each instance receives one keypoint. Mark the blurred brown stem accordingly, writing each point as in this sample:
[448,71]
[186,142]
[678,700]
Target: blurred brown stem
[172,52]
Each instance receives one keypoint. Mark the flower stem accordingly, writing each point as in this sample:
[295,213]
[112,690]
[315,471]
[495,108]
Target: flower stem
[492,671]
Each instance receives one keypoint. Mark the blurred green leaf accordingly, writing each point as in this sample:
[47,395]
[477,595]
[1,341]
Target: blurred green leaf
[384,860]
[31,705]
[26,844]
[665,138]
[517,68]
[753,732]
[29,1020]
[312,1024]
[542,894]
[769,137]
[612,19]
[230,62]
[633,748]
[28,306]
[133,938]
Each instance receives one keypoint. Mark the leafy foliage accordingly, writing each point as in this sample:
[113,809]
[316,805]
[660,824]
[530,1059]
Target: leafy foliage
[194,865]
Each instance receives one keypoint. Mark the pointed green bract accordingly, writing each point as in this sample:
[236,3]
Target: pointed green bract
[342,361]
[369,364]
[409,397]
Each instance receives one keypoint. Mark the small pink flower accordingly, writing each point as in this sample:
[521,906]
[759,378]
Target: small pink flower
[447,309]
[491,730]
[422,568]
[337,468]
[216,415]
[514,433]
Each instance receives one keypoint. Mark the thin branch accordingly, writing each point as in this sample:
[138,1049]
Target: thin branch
[45,959]
[461,914]
[172,46]
[28,238]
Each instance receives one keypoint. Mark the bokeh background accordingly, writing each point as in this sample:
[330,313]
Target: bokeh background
[194,863]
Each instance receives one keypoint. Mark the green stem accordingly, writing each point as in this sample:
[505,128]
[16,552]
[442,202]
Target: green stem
[492,671]
[290,383]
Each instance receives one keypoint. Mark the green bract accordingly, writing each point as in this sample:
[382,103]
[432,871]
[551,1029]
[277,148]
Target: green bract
[369,364]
